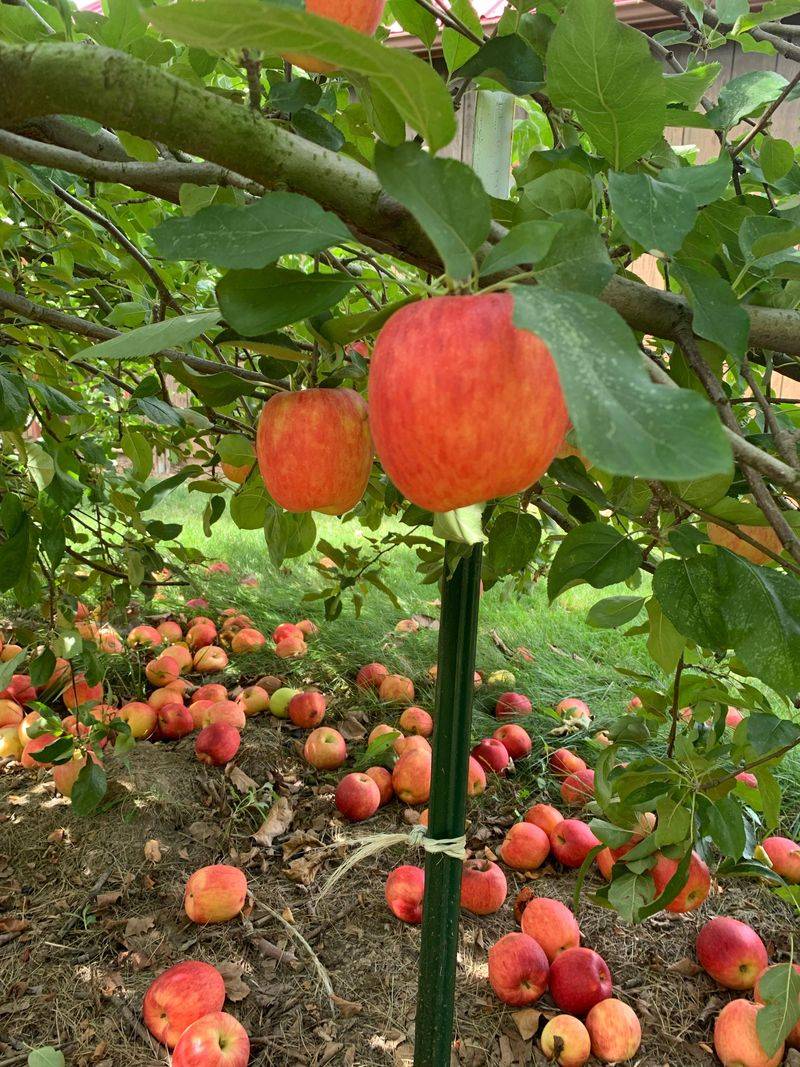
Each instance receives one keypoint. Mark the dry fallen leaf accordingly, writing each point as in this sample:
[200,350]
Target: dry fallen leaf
[235,988]
[13,926]
[106,900]
[527,1022]
[278,820]
[686,967]
[202,830]
[305,869]
[138,925]
[241,781]
[152,851]
[347,1008]
[351,729]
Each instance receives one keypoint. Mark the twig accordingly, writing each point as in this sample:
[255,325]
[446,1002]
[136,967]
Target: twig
[764,119]
[784,441]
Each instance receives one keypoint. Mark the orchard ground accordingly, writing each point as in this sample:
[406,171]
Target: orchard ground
[91,909]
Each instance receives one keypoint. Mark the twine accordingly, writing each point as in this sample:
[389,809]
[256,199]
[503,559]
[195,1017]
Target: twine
[417,837]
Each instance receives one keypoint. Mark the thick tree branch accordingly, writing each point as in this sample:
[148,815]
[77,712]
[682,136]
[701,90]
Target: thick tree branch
[118,90]
[26,309]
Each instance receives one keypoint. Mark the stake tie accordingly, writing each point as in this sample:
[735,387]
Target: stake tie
[374,844]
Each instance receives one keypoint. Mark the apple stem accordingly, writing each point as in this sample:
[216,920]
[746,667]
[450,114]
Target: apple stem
[448,804]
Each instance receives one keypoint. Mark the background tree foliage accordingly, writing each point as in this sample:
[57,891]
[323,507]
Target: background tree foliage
[188,224]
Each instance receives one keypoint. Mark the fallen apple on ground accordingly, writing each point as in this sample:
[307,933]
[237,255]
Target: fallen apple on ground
[357,797]
[254,700]
[695,889]
[416,720]
[515,739]
[217,744]
[483,887]
[784,855]
[564,762]
[578,789]
[615,1031]
[179,997]
[579,979]
[383,779]
[736,1040]
[731,952]
[215,894]
[325,748]
[307,709]
[216,1040]
[279,702]
[571,842]
[518,970]
[552,924]
[566,1042]
[371,676]
[525,847]
[411,776]
[405,890]
[545,816]
[396,689]
[512,705]
[492,755]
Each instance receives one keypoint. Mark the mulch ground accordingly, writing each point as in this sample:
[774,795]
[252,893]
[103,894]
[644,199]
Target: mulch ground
[91,911]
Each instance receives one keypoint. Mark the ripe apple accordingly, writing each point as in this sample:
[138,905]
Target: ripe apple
[79,692]
[572,708]
[545,816]
[314,449]
[201,620]
[184,658]
[748,779]
[144,637]
[10,744]
[140,717]
[66,774]
[765,535]
[411,777]
[512,705]
[405,889]
[784,855]
[578,789]
[170,631]
[291,646]
[736,1039]
[363,16]
[407,626]
[109,641]
[229,711]
[793,1037]
[217,744]
[731,952]
[287,629]
[606,859]
[492,755]
[280,700]
[307,709]
[525,847]
[216,1040]
[409,744]
[383,780]
[381,730]
[325,748]
[59,678]
[197,602]
[615,1031]
[235,623]
[518,970]
[162,670]
[27,728]
[571,842]
[9,652]
[210,659]
[36,744]
[174,721]
[552,924]
[565,1041]
[483,887]
[198,710]
[436,438]
[733,717]
[179,997]
[579,979]
[246,641]
[371,676]
[357,797]
[563,762]
[165,695]
[308,627]
[396,689]
[11,714]
[515,739]
[201,635]
[215,894]
[254,700]
[696,887]
[416,720]
[476,778]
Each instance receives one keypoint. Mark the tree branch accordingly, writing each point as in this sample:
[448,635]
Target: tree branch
[710,18]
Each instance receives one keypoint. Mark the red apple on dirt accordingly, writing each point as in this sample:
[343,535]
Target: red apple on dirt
[492,755]
[413,743]
[405,889]
[199,712]
[229,711]
[170,631]
[65,775]
[434,431]
[79,692]
[383,780]
[246,641]
[517,742]
[695,889]
[254,700]
[215,894]
[210,660]
[140,717]
[571,842]
[314,449]
[210,691]
[545,816]
[325,748]
[162,670]
[579,979]
[416,720]
[793,1037]
[358,797]
[578,789]
[36,744]
[731,952]
[291,647]
[411,777]
[552,924]
[525,847]
[483,887]
[784,855]
[396,689]
[174,721]
[144,637]
[201,635]
[615,1031]
[518,970]
[476,778]
[216,1040]
[736,1040]
[563,762]
[10,744]
[512,705]
[11,714]
[565,1041]
[165,695]
[179,997]
[371,676]
[217,744]
[307,709]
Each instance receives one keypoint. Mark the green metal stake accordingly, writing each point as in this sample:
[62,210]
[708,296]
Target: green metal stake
[447,811]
